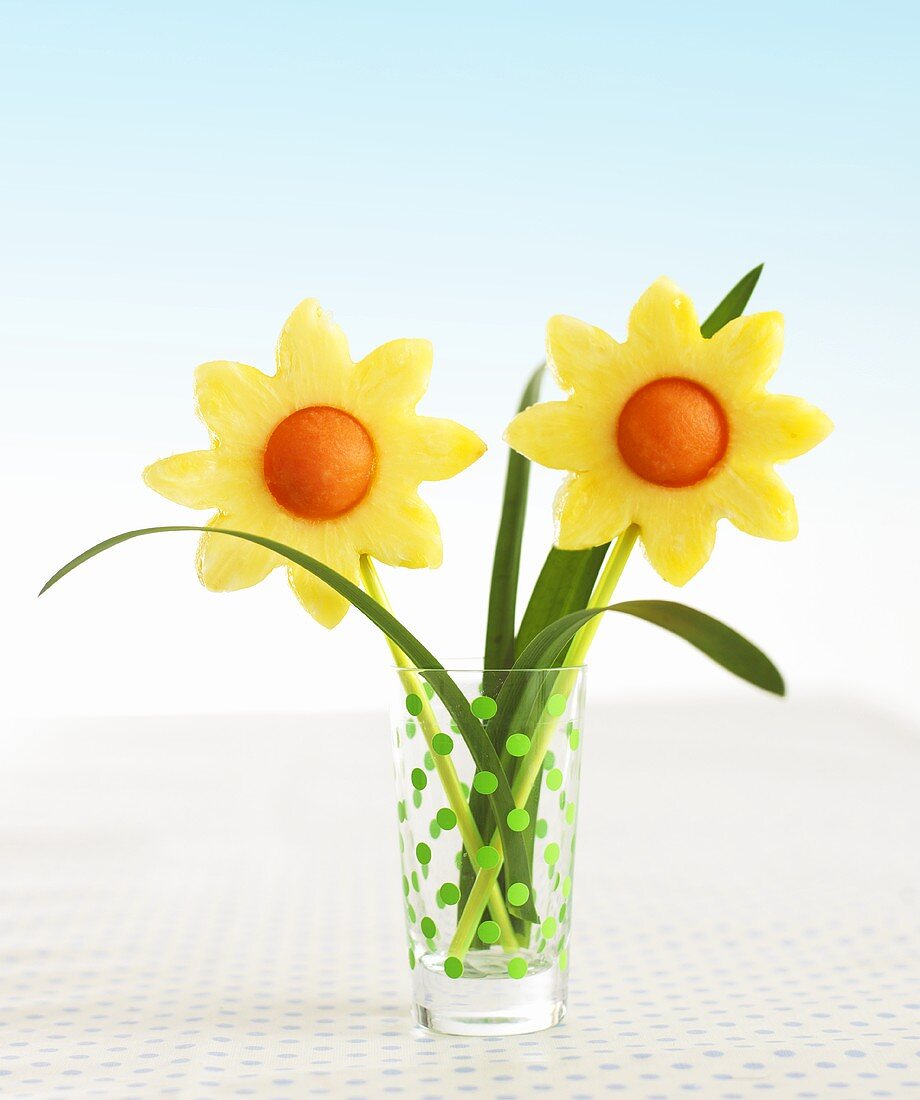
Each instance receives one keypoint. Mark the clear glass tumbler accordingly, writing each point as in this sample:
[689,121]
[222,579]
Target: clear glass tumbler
[488,948]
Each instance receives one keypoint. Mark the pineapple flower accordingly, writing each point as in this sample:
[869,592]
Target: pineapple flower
[326,456]
[669,431]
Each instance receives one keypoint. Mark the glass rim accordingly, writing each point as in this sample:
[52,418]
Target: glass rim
[474,670]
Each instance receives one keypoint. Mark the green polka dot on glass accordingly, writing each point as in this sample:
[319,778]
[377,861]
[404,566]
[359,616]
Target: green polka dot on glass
[419,779]
[428,761]
[548,927]
[446,818]
[411,959]
[518,820]
[551,855]
[489,931]
[518,893]
[450,893]
[563,960]
[434,829]
[562,800]
[555,705]
[483,707]
[487,857]
[423,853]
[566,886]
[574,738]
[410,912]
[429,928]
[517,968]
[416,799]
[453,967]
[554,779]
[415,885]
[405,885]
[410,730]
[562,912]
[413,704]
[518,744]
[570,813]
[485,782]
[541,828]
[401,810]
[429,690]
[443,744]
[549,761]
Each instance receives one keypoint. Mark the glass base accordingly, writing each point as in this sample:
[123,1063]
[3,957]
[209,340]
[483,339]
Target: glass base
[485,1000]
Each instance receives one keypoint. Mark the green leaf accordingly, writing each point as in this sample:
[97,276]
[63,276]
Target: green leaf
[725,646]
[732,305]
[499,647]
[564,585]
[506,564]
[718,641]
[480,747]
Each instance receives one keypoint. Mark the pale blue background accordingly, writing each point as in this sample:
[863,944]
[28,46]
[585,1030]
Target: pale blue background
[176,177]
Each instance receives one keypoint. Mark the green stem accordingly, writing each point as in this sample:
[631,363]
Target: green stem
[532,763]
[447,773]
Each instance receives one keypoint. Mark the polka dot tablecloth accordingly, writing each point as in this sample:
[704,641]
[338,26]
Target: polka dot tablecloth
[205,907]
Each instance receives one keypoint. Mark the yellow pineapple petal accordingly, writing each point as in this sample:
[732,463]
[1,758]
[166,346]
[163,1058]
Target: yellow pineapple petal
[665,324]
[395,375]
[399,531]
[679,551]
[744,354]
[561,435]
[317,598]
[757,502]
[588,513]
[778,427]
[227,564]
[238,404]
[204,479]
[579,355]
[442,448]
[310,342]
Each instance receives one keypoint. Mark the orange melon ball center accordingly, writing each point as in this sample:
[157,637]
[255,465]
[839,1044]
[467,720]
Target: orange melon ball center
[319,462]
[672,432]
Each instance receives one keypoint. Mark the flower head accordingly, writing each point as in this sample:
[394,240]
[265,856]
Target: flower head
[669,431]
[326,455]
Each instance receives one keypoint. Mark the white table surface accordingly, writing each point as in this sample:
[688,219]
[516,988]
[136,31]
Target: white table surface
[202,907]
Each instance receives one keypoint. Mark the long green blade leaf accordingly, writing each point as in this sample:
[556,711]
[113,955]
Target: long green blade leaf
[564,585]
[500,624]
[725,646]
[732,305]
[506,564]
[481,748]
